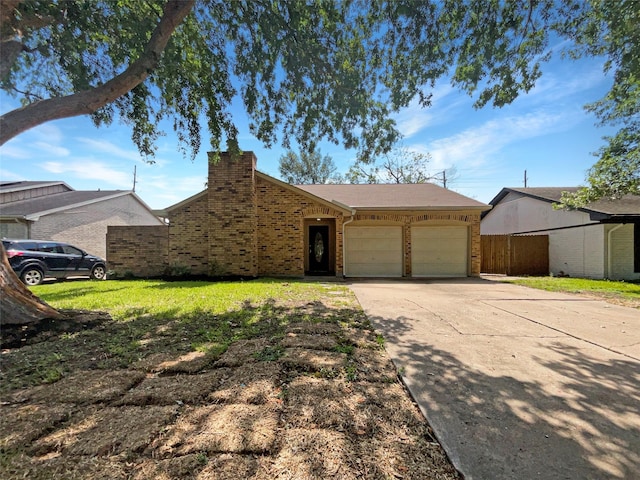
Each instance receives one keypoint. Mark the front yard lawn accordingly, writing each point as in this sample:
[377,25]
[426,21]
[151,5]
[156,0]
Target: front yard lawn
[625,293]
[264,379]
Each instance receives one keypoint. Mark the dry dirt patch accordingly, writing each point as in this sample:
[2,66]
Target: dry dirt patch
[234,428]
[305,340]
[20,424]
[303,400]
[81,468]
[313,360]
[190,362]
[255,383]
[82,387]
[172,390]
[106,431]
[243,351]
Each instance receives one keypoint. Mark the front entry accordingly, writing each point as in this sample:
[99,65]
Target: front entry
[319,250]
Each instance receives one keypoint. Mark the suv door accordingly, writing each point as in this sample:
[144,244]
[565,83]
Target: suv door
[76,264]
[55,259]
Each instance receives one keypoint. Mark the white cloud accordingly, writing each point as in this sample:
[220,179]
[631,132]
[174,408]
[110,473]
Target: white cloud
[104,146]
[52,149]
[10,150]
[90,170]
[8,176]
[475,146]
[415,118]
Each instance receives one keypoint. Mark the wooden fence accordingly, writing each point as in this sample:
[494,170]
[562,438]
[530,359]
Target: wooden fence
[515,255]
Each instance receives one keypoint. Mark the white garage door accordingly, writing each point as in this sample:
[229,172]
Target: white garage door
[373,251]
[439,251]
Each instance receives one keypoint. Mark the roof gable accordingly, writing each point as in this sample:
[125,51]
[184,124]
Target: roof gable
[627,206]
[36,207]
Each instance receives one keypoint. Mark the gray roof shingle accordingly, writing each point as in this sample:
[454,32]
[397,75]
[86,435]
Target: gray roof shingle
[56,201]
[393,196]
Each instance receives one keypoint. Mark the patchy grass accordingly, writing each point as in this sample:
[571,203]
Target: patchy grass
[190,380]
[627,293]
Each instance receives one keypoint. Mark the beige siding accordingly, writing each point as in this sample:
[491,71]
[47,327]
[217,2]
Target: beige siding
[578,252]
[622,253]
[86,226]
[523,214]
[439,251]
[373,251]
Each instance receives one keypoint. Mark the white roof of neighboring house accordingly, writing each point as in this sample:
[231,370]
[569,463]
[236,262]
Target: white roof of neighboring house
[627,206]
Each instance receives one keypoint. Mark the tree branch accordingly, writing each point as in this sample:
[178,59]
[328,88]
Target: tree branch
[88,101]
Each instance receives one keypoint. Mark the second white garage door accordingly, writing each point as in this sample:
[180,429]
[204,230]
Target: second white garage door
[373,251]
[439,251]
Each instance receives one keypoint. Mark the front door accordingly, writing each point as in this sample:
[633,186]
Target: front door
[318,249]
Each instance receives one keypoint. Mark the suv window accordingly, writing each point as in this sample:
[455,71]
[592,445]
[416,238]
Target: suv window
[20,246]
[69,250]
[50,248]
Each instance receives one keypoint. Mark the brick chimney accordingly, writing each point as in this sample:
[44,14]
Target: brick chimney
[233,231]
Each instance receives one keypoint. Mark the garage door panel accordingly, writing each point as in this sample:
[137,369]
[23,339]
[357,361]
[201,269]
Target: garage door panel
[373,251]
[439,251]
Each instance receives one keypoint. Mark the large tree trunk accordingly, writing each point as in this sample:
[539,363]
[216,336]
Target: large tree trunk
[18,306]
[88,101]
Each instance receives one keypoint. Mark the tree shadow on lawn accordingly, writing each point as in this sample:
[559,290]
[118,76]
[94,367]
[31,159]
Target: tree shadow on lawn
[92,340]
[580,421]
[213,396]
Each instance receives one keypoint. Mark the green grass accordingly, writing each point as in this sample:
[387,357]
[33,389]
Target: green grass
[608,289]
[150,316]
[127,299]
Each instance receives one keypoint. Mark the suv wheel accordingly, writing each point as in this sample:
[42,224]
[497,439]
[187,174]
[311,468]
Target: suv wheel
[32,276]
[98,272]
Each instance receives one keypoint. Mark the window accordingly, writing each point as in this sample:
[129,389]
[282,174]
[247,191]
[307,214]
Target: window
[69,250]
[50,248]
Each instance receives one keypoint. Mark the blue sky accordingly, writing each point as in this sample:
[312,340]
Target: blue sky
[546,132]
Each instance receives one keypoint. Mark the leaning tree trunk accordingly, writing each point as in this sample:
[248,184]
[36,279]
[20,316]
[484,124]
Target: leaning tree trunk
[18,306]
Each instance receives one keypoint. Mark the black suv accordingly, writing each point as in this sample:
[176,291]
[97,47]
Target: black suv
[34,260]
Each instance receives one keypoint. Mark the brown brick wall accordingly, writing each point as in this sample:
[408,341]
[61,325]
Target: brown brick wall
[247,225]
[281,248]
[232,216]
[189,236]
[141,251]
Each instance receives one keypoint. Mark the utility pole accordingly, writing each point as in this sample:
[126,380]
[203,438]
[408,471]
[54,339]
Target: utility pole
[525,179]
[134,178]
[444,178]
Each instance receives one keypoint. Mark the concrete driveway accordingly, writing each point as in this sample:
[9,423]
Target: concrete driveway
[517,383]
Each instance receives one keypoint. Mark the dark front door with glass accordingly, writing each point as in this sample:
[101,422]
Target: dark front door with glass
[318,249]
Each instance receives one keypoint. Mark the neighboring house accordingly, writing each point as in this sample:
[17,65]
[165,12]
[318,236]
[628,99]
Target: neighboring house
[601,240]
[55,211]
[250,224]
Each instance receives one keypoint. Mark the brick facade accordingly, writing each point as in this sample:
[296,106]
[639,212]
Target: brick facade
[233,215]
[249,224]
[141,251]
[189,235]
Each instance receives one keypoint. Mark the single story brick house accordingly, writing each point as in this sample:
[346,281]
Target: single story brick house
[601,240]
[52,210]
[249,224]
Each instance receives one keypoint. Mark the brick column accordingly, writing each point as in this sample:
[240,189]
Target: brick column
[475,246]
[233,232]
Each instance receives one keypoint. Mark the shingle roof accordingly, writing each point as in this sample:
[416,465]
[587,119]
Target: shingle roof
[629,205]
[9,186]
[56,201]
[394,196]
